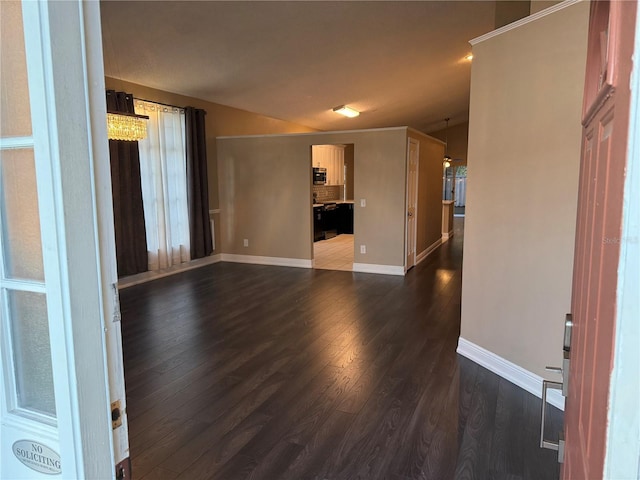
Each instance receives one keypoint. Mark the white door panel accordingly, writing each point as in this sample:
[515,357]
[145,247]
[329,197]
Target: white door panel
[57,305]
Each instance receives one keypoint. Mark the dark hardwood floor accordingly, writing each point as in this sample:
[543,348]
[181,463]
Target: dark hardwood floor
[241,371]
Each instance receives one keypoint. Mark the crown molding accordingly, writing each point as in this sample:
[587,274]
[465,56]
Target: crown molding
[523,21]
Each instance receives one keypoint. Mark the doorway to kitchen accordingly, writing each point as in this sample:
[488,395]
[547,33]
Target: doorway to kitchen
[332,198]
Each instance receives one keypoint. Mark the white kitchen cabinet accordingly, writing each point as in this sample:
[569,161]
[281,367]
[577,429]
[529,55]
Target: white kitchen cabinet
[330,157]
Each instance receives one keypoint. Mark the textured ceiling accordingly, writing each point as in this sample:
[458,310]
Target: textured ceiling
[399,63]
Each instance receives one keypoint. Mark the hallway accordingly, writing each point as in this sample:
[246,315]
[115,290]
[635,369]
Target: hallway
[245,371]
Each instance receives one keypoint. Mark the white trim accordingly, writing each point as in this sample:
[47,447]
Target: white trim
[23,285]
[416,142]
[96,112]
[517,375]
[7,143]
[275,261]
[145,277]
[389,129]
[381,269]
[413,131]
[447,235]
[428,251]
[523,21]
[214,211]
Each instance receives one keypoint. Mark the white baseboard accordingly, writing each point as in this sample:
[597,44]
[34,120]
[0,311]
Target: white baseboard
[144,277]
[275,261]
[381,269]
[517,375]
[428,251]
[447,235]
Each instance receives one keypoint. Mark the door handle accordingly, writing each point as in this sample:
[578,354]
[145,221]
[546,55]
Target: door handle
[568,327]
[544,443]
[563,386]
[564,371]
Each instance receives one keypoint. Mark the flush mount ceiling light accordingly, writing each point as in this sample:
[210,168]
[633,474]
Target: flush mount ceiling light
[346,111]
[126,126]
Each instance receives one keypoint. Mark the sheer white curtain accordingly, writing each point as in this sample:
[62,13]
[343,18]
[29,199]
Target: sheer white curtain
[163,170]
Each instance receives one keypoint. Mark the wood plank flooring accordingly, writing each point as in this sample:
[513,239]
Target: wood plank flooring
[254,372]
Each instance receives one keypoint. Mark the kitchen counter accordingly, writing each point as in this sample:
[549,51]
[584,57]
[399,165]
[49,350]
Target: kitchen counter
[337,202]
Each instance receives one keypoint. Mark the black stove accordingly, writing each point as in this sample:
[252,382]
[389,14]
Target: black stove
[330,219]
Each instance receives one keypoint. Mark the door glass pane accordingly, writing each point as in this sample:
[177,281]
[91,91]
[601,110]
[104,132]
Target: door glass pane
[15,116]
[31,351]
[21,240]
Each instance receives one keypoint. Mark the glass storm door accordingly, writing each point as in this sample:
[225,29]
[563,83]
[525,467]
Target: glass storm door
[55,395]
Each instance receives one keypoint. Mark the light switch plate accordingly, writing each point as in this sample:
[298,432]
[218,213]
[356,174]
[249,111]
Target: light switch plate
[363,202]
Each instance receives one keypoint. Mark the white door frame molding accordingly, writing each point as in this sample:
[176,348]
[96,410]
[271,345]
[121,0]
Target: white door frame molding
[411,236]
[622,457]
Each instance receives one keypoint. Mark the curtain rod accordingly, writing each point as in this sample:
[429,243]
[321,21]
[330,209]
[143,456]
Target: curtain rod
[165,104]
[159,103]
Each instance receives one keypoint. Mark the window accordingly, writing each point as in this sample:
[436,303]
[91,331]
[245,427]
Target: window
[163,171]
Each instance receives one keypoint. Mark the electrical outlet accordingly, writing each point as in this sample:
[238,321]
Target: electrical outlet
[363,202]
[246,242]
[363,249]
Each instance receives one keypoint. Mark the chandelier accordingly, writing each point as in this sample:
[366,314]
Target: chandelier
[126,126]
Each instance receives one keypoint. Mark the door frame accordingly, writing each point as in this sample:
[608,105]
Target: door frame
[622,456]
[407,263]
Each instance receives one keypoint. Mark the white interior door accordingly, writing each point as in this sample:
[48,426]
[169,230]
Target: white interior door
[57,344]
[412,201]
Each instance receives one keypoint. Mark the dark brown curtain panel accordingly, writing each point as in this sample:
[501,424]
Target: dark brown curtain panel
[128,213]
[197,184]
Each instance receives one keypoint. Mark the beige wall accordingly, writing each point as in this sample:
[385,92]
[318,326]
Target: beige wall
[524,150]
[457,138]
[348,161]
[265,193]
[220,120]
[277,220]
[429,224]
[537,5]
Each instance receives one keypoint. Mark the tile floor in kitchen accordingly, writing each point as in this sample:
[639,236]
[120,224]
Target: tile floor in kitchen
[335,253]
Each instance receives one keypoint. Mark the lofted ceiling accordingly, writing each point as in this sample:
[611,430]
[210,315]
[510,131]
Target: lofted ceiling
[399,63]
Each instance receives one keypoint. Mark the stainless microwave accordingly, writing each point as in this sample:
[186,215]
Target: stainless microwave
[319,176]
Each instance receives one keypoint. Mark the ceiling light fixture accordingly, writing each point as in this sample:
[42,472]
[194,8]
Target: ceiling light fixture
[126,126]
[446,161]
[129,127]
[346,111]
